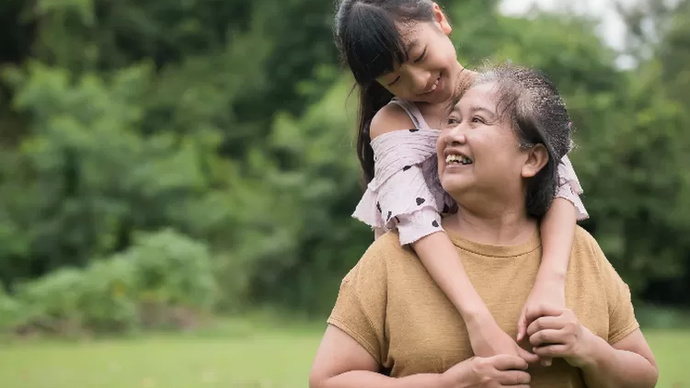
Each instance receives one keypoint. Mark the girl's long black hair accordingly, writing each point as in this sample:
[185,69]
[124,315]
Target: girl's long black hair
[367,36]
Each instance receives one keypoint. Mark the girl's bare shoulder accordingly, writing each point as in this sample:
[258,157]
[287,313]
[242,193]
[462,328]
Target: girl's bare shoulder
[391,117]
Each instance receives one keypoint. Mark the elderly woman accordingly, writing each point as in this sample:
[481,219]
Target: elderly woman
[497,158]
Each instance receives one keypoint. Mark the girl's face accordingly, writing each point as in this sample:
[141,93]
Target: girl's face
[431,70]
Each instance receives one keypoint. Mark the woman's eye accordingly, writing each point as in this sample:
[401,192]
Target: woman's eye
[453,121]
[477,119]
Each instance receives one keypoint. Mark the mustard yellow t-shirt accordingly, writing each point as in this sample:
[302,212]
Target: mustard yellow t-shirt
[391,306]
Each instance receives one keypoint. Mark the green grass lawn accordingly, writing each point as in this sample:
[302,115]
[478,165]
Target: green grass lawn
[242,355]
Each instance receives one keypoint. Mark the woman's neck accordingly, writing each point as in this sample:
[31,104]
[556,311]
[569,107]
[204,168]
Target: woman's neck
[504,225]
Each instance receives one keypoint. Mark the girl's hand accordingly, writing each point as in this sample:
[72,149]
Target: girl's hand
[558,333]
[488,340]
[543,293]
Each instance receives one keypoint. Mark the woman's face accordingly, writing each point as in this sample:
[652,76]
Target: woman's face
[478,151]
[431,70]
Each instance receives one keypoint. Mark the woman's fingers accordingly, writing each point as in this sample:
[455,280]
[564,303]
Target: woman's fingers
[527,356]
[513,377]
[504,362]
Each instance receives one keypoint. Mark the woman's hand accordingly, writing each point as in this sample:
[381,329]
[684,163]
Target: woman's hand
[544,293]
[558,333]
[487,340]
[484,372]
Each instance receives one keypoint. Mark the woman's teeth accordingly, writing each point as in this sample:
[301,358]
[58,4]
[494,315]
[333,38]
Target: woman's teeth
[458,159]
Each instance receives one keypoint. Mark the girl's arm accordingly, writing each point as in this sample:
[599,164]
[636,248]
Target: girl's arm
[557,233]
[441,259]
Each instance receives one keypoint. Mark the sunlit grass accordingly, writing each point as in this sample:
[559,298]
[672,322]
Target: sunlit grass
[238,354]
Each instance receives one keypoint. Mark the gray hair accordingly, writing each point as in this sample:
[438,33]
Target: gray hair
[531,103]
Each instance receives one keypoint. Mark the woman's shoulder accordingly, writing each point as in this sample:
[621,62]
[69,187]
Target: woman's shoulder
[385,247]
[584,241]
[381,253]
[583,235]
[587,249]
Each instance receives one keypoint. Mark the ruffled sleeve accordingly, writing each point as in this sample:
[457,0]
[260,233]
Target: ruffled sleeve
[569,187]
[403,193]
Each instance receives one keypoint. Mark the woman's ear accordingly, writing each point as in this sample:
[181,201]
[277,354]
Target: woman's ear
[441,20]
[537,157]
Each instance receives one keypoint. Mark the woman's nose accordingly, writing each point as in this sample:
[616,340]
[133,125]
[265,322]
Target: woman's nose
[455,135]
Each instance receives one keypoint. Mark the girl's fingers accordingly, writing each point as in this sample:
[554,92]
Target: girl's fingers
[551,351]
[547,337]
[543,323]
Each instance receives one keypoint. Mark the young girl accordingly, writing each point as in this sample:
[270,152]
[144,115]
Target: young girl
[407,71]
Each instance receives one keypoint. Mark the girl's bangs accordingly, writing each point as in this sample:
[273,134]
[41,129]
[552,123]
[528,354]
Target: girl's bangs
[372,44]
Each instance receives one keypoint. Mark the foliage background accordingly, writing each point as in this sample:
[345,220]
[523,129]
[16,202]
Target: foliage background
[164,161]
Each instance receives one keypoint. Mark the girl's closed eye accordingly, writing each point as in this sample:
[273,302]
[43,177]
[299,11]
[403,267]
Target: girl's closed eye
[394,81]
[421,57]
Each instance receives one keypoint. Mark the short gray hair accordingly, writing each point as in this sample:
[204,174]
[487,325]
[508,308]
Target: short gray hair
[537,112]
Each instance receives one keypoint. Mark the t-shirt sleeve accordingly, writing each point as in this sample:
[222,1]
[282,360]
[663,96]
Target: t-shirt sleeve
[360,307]
[622,320]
